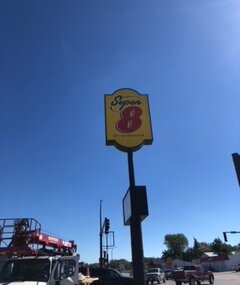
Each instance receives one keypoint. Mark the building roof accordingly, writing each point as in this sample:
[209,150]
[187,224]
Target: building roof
[210,254]
[211,257]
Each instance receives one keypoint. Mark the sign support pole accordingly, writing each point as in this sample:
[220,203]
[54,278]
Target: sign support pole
[128,128]
[136,232]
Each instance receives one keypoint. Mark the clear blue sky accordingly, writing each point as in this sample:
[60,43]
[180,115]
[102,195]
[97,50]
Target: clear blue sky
[59,58]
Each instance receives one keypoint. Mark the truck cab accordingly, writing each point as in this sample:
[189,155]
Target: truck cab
[43,270]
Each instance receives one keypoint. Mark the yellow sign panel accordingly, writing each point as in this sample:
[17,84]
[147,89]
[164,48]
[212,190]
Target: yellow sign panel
[127,120]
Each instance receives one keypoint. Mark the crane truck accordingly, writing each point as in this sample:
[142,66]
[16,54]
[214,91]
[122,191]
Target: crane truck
[27,255]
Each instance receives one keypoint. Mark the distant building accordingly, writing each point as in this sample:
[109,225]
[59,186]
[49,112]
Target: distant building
[210,260]
[220,262]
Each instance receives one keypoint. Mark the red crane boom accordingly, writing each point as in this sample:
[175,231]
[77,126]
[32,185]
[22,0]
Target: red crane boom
[23,236]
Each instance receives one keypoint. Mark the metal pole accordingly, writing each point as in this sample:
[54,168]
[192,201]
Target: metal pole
[131,170]
[107,250]
[100,237]
[112,252]
[136,232]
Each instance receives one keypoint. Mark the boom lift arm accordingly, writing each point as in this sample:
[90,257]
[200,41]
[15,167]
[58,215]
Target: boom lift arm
[23,236]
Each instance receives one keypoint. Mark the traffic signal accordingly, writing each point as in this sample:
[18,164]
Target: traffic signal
[225,236]
[236,161]
[107,225]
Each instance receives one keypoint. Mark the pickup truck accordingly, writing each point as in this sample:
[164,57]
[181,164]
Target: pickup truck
[193,275]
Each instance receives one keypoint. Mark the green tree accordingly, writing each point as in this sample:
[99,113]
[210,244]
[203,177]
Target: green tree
[204,246]
[120,264]
[188,255]
[219,247]
[197,251]
[176,244]
[166,254]
[194,252]
[152,262]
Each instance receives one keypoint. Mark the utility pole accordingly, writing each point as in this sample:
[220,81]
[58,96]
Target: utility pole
[101,236]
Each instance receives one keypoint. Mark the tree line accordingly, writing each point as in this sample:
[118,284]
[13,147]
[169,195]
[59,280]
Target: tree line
[178,247]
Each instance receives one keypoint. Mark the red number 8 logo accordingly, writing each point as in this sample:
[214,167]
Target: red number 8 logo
[130,120]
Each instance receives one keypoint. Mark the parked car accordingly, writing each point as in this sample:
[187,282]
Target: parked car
[168,273]
[109,276]
[155,274]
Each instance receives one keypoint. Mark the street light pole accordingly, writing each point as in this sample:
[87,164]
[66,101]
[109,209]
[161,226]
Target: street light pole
[100,236]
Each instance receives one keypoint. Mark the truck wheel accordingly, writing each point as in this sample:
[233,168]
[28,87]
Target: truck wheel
[178,282]
[211,280]
[192,281]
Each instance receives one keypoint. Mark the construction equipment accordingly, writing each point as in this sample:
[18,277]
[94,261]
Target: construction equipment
[31,256]
[24,237]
